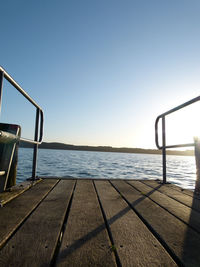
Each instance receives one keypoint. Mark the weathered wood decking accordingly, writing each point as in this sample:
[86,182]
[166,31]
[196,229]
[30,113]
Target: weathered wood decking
[101,223]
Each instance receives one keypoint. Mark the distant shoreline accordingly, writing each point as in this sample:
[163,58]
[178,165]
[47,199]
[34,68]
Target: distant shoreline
[61,146]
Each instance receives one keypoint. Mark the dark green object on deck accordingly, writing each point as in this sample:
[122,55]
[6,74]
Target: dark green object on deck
[9,140]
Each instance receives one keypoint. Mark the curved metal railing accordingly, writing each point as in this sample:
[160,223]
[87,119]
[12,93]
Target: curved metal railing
[39,120]
[164,146]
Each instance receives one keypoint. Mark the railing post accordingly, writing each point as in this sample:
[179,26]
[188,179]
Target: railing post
[1,87]
[164,150]
[35,145]
[197,158]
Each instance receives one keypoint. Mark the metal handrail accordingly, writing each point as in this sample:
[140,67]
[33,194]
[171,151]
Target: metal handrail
[164,147]
[169,112]
[19,88]
[39,121]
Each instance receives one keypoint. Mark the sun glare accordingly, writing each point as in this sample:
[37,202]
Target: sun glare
[182,126]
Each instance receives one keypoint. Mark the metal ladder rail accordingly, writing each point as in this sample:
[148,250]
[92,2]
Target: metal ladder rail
[163,147]
[39,120]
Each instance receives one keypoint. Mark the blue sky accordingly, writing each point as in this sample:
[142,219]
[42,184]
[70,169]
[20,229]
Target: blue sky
[102,70]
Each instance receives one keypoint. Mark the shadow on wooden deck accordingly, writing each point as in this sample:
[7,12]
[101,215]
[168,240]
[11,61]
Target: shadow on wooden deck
[101,223]
[80,242]
[190,242]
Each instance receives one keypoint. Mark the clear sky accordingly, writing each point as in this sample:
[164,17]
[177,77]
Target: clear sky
[102,70]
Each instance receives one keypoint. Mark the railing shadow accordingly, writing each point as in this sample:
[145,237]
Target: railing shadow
[191,247]
[84,239]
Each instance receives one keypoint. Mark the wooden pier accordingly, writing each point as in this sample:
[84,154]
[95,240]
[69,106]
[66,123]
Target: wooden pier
[100,223]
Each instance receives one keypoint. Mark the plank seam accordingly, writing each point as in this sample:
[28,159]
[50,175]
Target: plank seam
[174,198]
[63,228]
[151,229]
[118,262]
[183,190]
[194,229]
[175,188]
[12,233]
[187,194]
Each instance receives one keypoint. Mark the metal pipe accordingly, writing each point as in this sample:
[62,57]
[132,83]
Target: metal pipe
[36,145]
[18,87]
[181,145]
[39,121]
[41,126]
[1,87]
[164,150]
[169,112]
[156,133]
[197,159]
[4,74]
[181,106]
[163,147]
[8,138]
[170,146]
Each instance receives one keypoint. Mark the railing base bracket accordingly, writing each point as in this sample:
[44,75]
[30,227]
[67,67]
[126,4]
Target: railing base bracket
[33,179]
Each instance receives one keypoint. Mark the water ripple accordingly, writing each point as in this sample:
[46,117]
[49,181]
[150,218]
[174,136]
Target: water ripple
[84,164]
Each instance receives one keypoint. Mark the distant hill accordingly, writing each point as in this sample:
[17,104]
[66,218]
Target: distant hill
[55,145]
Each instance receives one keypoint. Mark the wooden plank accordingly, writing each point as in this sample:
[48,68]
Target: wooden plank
[35,242]
[187,200]
[135,244]
[190,217]
[16,211]
[85,241]
[173,187]
[179,239]
[15,191]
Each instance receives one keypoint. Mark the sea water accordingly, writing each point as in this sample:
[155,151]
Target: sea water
[85,164]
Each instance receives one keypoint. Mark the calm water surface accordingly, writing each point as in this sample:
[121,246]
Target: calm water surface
[84,164]
[66,163]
